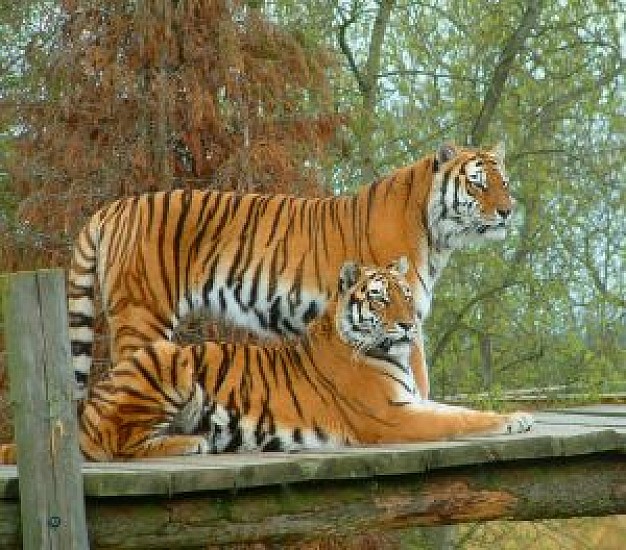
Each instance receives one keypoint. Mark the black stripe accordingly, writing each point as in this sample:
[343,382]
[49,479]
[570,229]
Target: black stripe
[246,382]
[201,221]
[270,361]
[77,320]
[311,313]
[289,383]
[222,301]
[275,315]
[77,291]
[321,435]
[80,348]
[254,285]
[322,234]
[210,280]
[244,236]
[149,200]
[184,198]
[294,296]
[224,367]
[276,221]
[162,248]
[273,273]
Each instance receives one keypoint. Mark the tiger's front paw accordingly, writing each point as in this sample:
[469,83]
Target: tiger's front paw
[519,422]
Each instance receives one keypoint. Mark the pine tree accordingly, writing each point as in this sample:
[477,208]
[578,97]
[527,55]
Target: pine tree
[152,95]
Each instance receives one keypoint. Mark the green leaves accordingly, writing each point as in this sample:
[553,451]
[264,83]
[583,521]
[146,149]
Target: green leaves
[546,78]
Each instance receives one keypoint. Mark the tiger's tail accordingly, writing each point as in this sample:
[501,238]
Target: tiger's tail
[80,297]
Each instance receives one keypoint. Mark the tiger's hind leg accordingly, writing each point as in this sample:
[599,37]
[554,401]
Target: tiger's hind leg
[179,439]
[147,405]
[165,445]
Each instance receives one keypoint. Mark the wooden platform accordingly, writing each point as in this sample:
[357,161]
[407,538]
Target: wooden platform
[571,464]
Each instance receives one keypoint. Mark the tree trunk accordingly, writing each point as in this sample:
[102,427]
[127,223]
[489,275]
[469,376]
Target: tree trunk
[512,48]
[367,80]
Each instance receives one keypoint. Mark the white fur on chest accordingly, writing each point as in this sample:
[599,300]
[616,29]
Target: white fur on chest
[428,272]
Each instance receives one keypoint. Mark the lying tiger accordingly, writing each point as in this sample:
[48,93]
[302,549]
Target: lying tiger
[347,382]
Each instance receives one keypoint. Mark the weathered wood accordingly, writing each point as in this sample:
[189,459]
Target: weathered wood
[571,464]
[51,488]
[340,508]
[524,490]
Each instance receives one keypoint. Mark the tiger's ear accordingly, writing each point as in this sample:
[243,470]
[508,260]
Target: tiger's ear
[348,276]
[400,266]
[446,152]
[498,152]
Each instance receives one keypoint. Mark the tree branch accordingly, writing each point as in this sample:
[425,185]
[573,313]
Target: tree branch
[577,92]
[530,356]
[372,66]
[345,48]
[413,72]
[458,320]
[600,285]
[511,49]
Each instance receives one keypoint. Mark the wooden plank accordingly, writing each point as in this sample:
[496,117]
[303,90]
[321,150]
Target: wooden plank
[580,419]
[224,472]
[600,410]
[217,473]
[51,492]
[557,470]
[282,514]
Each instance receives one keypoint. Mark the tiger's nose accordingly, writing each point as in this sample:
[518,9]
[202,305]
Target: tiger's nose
[405,326]
[504,214]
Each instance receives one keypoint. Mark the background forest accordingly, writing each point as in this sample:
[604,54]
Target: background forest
[104,99]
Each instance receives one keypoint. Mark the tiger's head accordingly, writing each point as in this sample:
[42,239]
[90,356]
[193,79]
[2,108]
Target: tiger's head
[375,311]
[470,200]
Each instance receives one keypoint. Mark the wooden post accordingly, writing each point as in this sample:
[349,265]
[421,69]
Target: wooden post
[49,462]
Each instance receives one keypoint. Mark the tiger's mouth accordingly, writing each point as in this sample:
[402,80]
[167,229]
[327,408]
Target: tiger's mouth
[492,226]
[485,228]
[387,343]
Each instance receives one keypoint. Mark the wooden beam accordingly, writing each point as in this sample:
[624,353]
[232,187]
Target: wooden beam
[591,485]
[49,463]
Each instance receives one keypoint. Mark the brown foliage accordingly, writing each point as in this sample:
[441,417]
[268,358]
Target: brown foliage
[135,97]
[170,94]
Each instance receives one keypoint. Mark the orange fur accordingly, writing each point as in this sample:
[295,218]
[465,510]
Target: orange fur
[318,392]
[269,262]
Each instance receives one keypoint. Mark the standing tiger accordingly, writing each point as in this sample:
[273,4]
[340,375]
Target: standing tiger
[347,381]
[268,263]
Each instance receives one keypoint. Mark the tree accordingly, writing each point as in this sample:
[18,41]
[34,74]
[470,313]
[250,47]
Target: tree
[545,78]
[160,94]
